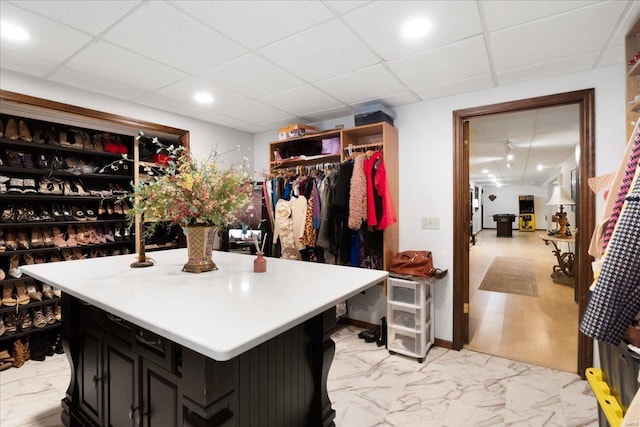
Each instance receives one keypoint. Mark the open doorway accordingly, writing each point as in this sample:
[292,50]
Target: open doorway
[584,218]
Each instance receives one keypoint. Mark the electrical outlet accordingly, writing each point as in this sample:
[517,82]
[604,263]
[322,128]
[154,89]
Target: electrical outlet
[430,223]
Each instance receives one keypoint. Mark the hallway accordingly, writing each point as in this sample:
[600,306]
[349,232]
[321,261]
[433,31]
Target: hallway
[540,330]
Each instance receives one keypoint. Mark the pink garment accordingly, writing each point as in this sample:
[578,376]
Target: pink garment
[372,219]
[388,208]
[358,195]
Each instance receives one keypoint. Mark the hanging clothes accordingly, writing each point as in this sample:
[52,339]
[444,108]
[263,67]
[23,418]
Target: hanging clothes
[358,195]
[298,215]
[283,229]
[388,216]
[616,298]
[598,245]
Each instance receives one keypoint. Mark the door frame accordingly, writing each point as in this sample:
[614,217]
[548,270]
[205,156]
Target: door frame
[585,215]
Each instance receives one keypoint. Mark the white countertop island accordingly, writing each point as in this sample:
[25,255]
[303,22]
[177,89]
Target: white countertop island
[158,346]
[220,314]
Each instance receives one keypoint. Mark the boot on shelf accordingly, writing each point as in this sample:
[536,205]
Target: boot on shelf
[57,347]
[25,135]
[37,347]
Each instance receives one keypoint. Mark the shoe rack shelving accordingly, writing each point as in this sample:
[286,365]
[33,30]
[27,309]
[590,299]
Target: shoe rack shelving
[50,145]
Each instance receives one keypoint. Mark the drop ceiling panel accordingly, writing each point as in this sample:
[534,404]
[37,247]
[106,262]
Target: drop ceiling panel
[172,105]
[330,113]
[358,86]
[396,100]
[583,31]
[241,76]
[612,56]
[215,117]
[257,23]
[189,46]
[343,6]
[184,90]
[501,14]
[458,61]
[92,17]
[115,64]
[92,83]
[300,101]
[14,60]
[459,86]
[49,41]
[547,69]
[254,111]
[451,21]
[321,52]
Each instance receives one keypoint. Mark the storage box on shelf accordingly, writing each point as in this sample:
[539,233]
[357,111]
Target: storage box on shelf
[410,311]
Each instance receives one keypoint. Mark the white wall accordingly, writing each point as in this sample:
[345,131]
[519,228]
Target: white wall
[426,135]
[426,161]
[507,202]
[203,135]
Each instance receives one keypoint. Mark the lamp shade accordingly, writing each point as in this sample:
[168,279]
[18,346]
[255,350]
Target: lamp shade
[560,196]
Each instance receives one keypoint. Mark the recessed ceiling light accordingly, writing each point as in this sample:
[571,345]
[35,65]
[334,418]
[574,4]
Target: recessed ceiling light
[509,156]
[508,165]
[539,167]
[485,170]
[416,28]
[15,32]
[498,184]
[203,98]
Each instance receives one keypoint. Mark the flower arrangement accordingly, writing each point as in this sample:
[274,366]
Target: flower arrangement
[188,192]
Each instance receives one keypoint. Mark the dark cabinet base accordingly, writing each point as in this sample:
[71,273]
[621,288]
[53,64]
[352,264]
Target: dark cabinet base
[282,382]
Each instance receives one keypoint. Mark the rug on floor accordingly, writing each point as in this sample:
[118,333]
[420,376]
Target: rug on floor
[510,275]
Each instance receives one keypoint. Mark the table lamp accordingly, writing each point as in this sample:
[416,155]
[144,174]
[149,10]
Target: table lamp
[559,198]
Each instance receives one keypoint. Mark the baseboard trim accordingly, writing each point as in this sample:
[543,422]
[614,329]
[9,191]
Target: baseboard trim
[443,343]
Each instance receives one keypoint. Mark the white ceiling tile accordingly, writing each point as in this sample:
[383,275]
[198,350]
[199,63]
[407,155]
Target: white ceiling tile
[501,14]
[581,31]
[330,113]
[358,86]
[115,64]
[169,104]
[547,69]
[321,52]
[343,6]
[380,24]
[454,87]
[455,62]
[254,111]
[92,17]
[257,23]
[240,75]
[49,42]
[396,100]
[189,46]
[184,90]
[14,60]
[95,84]
[301,100]
[221,119]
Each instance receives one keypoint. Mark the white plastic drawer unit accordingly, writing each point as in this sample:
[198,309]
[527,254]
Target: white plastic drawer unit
[406,292]
[408,343]
[412,318]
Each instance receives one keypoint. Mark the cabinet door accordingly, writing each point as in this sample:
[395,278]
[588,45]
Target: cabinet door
[121,385]
[90,374]
[161,397]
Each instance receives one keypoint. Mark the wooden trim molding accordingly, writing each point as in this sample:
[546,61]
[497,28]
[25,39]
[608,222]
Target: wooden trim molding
[585,216]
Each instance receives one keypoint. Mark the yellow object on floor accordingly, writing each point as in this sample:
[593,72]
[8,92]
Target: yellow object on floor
[608,403]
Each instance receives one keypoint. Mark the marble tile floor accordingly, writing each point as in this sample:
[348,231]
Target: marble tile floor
[369,387]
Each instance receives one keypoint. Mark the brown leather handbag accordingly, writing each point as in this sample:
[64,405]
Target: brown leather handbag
[413,263]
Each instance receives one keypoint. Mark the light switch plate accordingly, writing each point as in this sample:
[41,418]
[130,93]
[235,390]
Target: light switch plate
[430,223]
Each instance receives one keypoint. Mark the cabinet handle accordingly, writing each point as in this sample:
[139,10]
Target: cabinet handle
[96,379]
[149,342]
[134,414]
[114,318]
